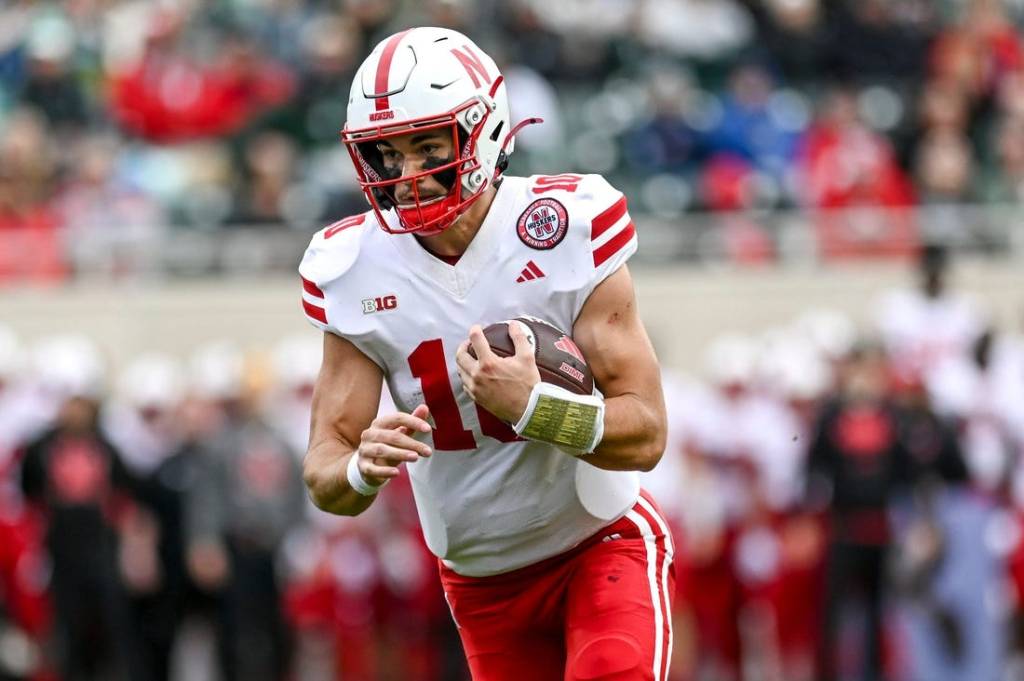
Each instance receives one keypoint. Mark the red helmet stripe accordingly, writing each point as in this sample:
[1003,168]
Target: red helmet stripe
[494,88]
[384,70]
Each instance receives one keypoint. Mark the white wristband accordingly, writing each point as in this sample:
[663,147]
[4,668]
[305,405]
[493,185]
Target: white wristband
[356,480]
[555,415]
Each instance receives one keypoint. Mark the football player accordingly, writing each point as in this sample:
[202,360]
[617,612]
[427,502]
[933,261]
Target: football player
[554,562]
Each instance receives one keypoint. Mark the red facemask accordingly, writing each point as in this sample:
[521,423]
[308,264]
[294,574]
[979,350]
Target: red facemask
[425,217]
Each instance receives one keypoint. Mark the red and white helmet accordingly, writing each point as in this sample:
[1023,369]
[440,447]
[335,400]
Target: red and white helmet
[429,79]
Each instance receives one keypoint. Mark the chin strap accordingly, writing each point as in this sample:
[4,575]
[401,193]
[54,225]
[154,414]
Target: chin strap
[502,163]
[519,126]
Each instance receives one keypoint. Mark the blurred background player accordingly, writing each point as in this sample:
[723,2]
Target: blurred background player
[246,497]
[79,482]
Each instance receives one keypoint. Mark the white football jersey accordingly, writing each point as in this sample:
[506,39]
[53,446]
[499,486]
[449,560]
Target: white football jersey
[921,332]
[488,502]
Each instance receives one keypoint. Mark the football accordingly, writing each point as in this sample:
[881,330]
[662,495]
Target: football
[558,358]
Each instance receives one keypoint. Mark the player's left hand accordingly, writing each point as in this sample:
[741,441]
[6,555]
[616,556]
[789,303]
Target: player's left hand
[501,385]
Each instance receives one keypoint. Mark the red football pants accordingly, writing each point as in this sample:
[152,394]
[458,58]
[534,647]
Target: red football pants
[599,611]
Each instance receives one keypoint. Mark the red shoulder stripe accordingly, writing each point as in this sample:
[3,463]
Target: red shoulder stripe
[608,218]
[317,313]
[311,288]
[614,245]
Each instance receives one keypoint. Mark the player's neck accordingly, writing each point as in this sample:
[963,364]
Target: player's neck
[456,239]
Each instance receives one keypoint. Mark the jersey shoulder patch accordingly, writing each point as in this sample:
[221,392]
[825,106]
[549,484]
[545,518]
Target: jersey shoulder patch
[333,250]
[331,253]
[597,214]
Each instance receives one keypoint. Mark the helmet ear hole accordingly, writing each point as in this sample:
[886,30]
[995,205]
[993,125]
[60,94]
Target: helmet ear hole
[497,131]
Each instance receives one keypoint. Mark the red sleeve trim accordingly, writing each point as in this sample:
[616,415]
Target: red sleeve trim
[317,313]
[311,288]
[615,245]
[605,220]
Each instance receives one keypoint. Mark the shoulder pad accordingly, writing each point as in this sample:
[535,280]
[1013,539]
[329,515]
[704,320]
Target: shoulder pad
[597,201]
[586,196]
[331,253]
[596,190]
[333,250]
[598,210]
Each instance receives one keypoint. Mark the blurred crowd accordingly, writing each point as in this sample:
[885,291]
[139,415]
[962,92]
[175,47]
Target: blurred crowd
[121,119]
[846,503]
[157,527]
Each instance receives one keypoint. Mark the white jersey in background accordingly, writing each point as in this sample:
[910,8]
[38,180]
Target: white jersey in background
[921,332]
[488,502]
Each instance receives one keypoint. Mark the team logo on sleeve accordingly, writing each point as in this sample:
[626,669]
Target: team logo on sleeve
[543,224]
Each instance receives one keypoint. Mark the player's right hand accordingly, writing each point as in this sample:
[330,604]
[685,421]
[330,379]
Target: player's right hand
[387,443]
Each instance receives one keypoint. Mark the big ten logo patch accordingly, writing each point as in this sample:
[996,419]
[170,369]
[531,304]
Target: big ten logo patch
[379,304]
[543,224]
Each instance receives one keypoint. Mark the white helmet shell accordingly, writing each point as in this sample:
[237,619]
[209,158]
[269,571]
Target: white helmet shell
[731,359]
[217,371]
[296,360]
[830,331]
[69,366]
[152,381]
[423,75]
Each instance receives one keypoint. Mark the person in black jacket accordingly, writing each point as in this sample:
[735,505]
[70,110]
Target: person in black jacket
[77,479]
[855,462]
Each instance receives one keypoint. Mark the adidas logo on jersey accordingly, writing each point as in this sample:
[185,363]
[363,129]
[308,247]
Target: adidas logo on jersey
[529,273]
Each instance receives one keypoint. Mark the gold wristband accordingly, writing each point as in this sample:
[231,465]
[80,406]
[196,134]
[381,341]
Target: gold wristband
[562,418]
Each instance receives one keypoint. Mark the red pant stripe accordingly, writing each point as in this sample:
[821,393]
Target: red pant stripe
[657,602]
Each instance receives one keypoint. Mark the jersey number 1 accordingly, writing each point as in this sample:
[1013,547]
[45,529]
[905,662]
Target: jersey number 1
[428,364]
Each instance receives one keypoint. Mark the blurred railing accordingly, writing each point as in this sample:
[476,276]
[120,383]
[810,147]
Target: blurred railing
[822,236]
[742,238]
